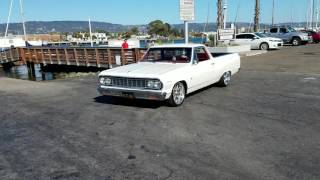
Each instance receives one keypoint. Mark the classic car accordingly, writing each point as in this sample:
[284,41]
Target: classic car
[169,72]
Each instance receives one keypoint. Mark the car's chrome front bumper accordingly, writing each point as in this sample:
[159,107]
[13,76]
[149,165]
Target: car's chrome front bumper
[132,93]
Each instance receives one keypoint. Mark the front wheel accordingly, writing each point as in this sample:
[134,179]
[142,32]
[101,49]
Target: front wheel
[178,94]
[264,46]
[296,41]
[225,79]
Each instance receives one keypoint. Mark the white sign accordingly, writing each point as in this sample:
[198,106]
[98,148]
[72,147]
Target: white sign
[226,34]
[187,10]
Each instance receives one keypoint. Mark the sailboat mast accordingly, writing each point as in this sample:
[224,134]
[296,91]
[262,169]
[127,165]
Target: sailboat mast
[272,13]
[317,11]
[8,20]
[23,22]
[91,42]
[206,25]
[311,13]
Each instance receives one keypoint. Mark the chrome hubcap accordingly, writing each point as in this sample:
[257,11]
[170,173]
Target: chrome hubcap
[264,47]
[226,78]
[295,42]
[178,93]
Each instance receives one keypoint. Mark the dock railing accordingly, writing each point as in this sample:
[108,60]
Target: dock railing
[78,56]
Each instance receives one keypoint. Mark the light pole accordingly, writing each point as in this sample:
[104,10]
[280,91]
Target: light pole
[186,32]
[272,13]
[225,13]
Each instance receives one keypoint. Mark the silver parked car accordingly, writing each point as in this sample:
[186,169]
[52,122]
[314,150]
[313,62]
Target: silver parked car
[288,35]
[258,41]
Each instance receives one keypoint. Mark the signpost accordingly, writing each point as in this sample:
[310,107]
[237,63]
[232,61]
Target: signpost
[226,34]
[186,14]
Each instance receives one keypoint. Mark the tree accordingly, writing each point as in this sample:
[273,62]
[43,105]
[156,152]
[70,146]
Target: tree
[157,27]
[257,16]
[86,34]
[175,32]
[219,14]
[103,31]
[167,29]
[77,35]
[134,31]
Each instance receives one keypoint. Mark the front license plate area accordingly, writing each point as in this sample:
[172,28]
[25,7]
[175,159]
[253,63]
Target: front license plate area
[129,95]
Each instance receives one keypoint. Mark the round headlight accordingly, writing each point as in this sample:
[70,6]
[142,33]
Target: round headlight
[154,84]
[107,81]
[101,80]
[157,85]
[150,84]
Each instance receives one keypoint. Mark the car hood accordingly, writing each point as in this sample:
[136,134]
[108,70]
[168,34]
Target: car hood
[144,69]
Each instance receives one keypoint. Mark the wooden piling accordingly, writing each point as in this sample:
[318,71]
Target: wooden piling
[42,56]
[86,57]
[58,57]
[50,56]
[66,55]
[76,56]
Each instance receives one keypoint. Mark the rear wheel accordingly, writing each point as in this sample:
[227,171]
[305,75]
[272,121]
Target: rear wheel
[264,46]
[296,41]
[225,79]
[178,94]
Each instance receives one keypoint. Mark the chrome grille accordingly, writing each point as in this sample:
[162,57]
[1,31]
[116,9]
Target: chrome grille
[137,83]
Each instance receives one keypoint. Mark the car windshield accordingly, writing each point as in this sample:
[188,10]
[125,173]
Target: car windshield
[260,35]
[290,29]
[174,55]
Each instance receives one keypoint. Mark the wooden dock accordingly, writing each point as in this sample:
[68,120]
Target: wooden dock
[101,57]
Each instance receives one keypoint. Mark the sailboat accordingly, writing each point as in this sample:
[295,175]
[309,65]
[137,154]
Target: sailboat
[13,41]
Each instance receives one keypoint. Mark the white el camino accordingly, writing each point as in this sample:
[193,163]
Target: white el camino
[169,72]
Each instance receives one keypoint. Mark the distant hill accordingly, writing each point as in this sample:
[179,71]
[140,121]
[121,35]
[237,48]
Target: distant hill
[43,27]
[40,27]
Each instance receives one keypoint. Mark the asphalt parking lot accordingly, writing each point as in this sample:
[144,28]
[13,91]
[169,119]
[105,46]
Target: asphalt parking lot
[265,126]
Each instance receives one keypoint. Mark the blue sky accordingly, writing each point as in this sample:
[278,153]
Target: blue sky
[144,11]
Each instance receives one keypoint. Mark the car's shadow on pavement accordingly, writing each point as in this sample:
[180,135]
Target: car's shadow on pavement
[198,92]
[129,102]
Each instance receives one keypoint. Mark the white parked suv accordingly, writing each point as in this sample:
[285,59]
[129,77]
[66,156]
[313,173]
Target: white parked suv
[258,41]
[169,72]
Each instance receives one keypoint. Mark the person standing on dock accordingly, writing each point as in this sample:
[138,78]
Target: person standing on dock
[125,45]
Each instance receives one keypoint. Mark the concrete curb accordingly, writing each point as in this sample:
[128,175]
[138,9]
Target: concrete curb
[253,53]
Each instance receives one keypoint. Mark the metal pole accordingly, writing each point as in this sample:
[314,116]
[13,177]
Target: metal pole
[23,23]
[317,20]
[8,20]
[311,12]
[186,32]
[225,7]
[273,13]
[91,42]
